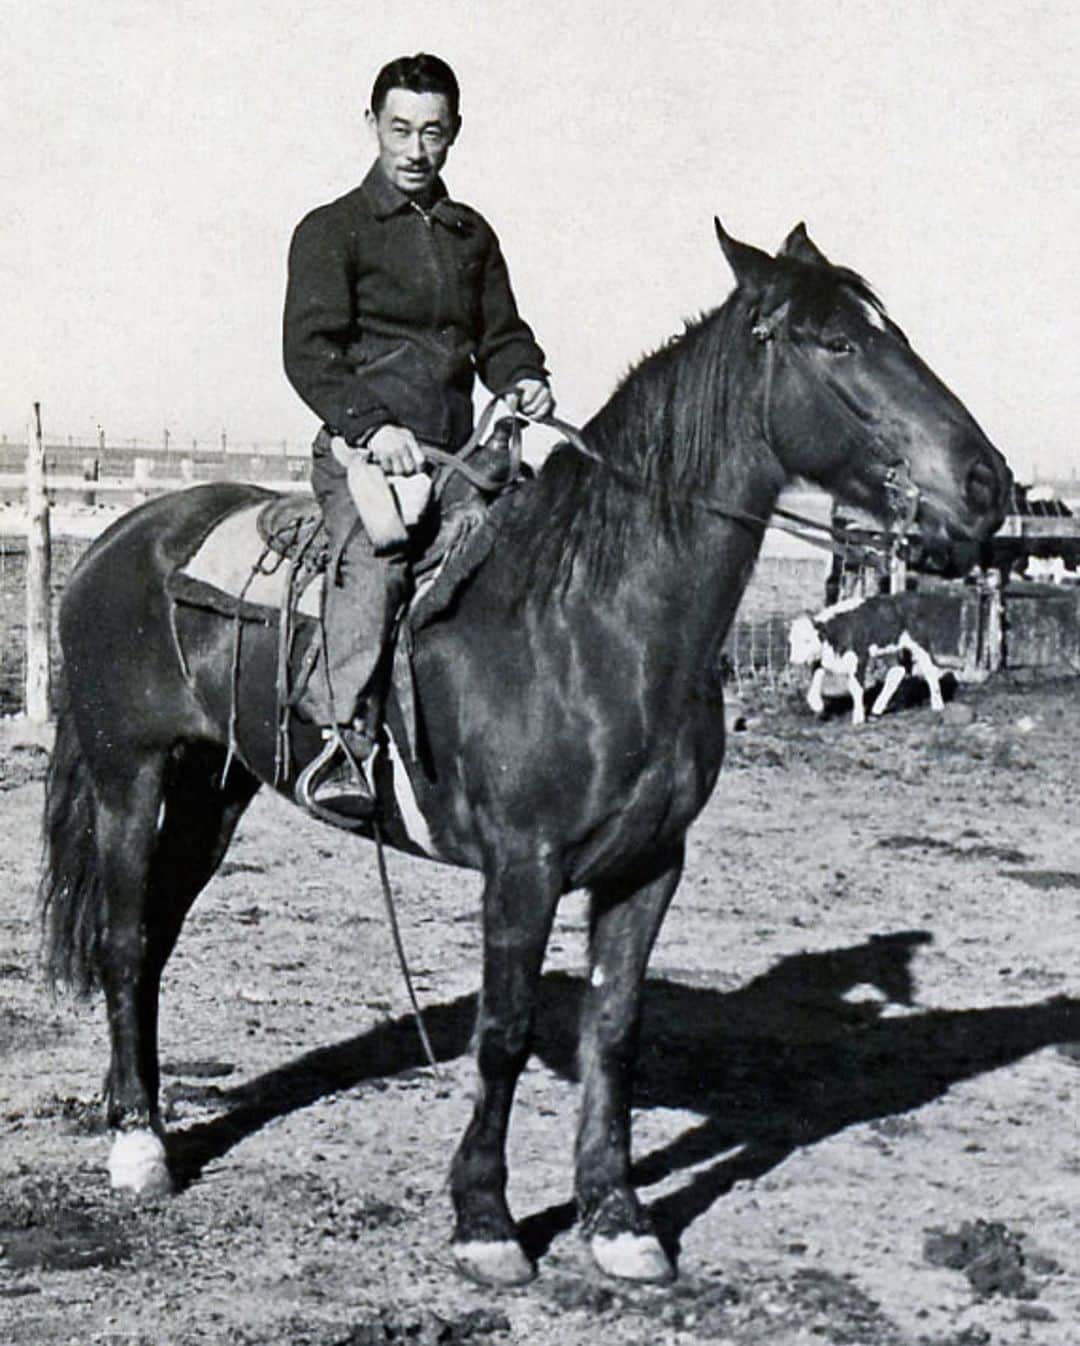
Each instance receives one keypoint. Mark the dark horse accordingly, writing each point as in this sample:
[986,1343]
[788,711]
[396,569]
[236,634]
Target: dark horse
[571,704]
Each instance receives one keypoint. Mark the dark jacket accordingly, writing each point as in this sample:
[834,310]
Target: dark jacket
[390,310]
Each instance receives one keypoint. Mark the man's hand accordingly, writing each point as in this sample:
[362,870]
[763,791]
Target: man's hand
[396,451]
[536,401]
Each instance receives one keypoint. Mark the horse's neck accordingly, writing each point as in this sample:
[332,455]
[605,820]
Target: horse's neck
[700,583]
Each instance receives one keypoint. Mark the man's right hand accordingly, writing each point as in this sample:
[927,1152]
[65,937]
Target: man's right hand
[396,450]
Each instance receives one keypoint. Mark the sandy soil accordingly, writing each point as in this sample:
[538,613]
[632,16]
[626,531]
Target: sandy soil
[856,1120]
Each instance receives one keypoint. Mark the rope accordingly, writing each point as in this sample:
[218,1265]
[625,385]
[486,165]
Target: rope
[399,947]
[234,665]
[834,541]
[806,530]
[455,462]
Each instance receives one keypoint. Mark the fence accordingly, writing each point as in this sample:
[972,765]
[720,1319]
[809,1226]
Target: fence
[755,650]
[123,477]
[210,457]
[13,643]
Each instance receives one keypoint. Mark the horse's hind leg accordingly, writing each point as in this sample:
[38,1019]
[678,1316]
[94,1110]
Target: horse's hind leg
[625,919]
[159,843]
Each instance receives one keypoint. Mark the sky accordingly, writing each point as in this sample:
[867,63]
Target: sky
[157,154]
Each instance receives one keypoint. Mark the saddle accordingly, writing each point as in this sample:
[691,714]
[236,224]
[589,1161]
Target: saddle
[267,563]
[291,526]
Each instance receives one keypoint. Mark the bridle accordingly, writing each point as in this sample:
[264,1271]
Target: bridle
[901,493]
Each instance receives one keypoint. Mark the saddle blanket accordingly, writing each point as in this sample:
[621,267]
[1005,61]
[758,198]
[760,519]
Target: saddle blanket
[228,561]
[235,570]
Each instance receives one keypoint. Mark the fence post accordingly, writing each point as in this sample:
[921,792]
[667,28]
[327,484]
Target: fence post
[91,471]
[897,569]
[142,479]
[38,576]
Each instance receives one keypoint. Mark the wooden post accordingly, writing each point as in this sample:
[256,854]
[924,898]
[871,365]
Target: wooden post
[897,569]
[38,577]
[142,477]
[993,610]
[91,471]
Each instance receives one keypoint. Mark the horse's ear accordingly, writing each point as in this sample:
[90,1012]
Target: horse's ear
[801,247]
[753,268]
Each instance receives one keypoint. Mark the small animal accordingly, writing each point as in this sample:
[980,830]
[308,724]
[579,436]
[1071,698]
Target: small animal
[844,638]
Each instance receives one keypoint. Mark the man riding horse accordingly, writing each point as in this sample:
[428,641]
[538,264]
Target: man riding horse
[397,296]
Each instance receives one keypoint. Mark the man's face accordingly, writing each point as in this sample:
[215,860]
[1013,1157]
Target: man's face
[415,132]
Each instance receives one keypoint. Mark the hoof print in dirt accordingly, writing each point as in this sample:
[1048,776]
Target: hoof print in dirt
[427,1329]
[991,1256]
[44,1227]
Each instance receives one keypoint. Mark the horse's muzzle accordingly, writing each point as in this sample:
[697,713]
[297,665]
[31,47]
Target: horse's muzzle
[987,489]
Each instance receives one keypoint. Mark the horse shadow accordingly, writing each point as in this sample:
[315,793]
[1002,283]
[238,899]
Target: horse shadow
[776,1065]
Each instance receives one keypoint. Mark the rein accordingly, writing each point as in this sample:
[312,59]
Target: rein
[901,492]
[799,526]
[457,462]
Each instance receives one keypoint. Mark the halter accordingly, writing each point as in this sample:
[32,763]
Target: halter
[901,493]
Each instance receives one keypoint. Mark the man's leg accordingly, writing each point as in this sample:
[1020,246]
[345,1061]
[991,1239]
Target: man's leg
[363,596]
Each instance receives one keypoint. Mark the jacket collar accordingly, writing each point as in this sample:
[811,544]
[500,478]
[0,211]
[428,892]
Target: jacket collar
[385,199]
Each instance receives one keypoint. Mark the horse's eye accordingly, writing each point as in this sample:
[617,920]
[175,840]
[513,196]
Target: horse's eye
[839,346]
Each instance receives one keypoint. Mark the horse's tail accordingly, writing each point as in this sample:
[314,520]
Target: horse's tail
[70,893]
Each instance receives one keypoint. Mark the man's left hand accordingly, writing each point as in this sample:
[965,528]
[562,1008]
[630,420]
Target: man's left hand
[536,401]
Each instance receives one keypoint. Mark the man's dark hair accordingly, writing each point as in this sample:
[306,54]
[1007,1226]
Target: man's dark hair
[420,74]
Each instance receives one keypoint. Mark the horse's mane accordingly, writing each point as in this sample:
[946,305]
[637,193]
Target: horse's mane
[659,431]
[675,428]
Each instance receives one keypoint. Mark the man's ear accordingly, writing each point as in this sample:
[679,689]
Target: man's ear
[370,120]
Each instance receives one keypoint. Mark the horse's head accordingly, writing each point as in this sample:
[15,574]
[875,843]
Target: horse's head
[848,404]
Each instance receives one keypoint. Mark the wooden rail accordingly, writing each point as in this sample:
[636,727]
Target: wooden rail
[14,485]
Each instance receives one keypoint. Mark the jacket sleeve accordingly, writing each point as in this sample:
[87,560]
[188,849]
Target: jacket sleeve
[507,349]
[318,326]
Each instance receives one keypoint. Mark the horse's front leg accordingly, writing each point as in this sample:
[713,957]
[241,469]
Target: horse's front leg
[519,905]
[625,919]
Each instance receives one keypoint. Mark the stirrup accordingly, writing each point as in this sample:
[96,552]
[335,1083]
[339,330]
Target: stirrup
[354,805]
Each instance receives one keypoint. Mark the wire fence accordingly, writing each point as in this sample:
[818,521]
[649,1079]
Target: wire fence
[65,553]
[755,652]
[756,648]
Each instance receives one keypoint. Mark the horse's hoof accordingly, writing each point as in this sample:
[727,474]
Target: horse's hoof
[632,1257]
[493,1262]
[137,1164]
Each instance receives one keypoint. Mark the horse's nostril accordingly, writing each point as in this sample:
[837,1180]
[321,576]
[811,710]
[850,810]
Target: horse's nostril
[982,488]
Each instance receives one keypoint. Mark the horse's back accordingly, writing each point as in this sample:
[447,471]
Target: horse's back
[166,524]
[121,666]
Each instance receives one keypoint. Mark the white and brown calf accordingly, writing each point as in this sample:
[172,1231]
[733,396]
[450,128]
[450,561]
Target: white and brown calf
[843,639]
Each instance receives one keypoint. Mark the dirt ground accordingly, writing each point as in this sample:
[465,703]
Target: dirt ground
[856,1116]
